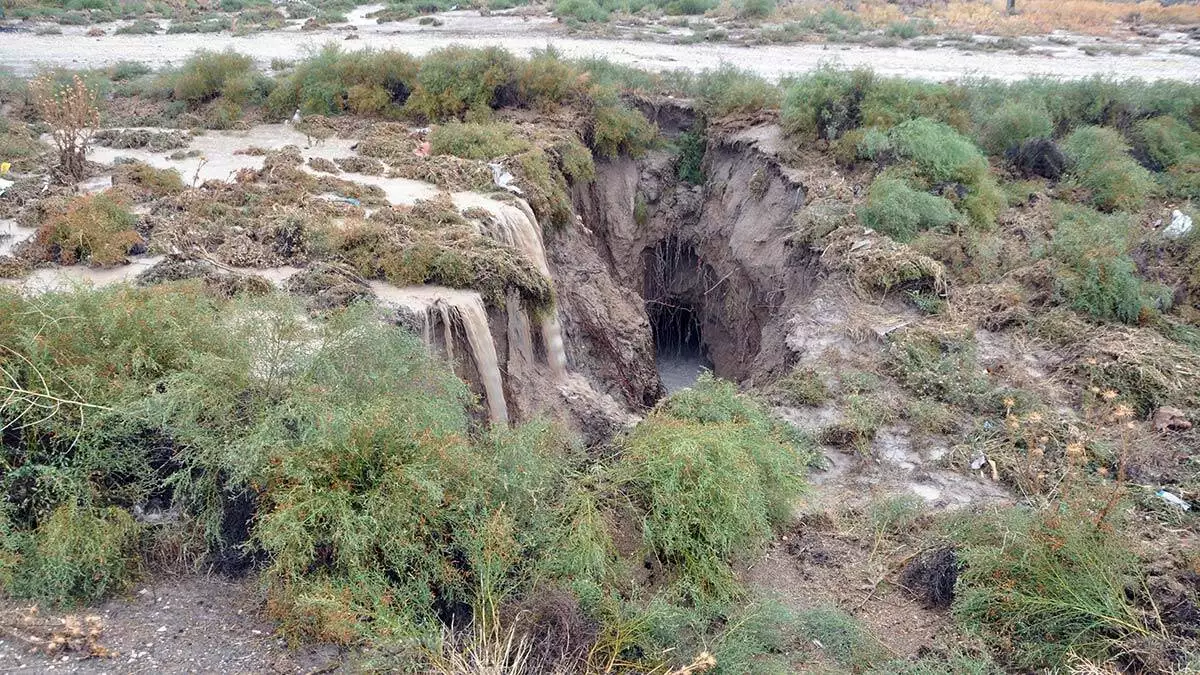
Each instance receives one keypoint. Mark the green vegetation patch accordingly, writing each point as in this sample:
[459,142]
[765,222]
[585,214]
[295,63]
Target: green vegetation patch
[715,474]
[1042,585]
[1098,276]
[1101,164]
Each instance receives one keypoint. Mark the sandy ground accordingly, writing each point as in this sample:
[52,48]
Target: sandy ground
[190,624]
[25,52]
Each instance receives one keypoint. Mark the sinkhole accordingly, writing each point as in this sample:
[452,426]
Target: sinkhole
[674,296]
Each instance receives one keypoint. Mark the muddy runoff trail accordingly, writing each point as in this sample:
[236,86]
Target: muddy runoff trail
[25,52]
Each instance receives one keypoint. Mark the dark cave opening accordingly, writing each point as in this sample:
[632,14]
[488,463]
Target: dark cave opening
[674,304]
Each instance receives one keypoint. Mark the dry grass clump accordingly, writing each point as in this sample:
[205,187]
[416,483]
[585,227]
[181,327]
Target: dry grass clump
[430,243]
[147,181]
[1147,369]
[394,144]
[364,165]
[97,229]
[876,262]
[53,636]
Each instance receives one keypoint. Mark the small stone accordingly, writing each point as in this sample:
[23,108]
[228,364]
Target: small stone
[162,629]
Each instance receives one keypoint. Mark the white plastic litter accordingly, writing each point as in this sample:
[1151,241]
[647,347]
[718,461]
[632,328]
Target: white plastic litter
[1173,500]
[1181,224]
[503,179]
[4,185]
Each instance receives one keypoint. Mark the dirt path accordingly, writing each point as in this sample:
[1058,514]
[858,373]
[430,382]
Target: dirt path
[189,624]
[24,51]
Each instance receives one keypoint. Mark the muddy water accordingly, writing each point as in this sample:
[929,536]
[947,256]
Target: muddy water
[516,226]
[12,234]
[453,306]
[25,51]
[680,372]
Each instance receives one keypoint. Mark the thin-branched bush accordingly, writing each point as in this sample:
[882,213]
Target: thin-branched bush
[714,474]
[825,103]
[97,229]
[1101,164]
[208,75]
[1014,123]
[728,90]
[1098,276]
[1041,584]
[454,80]
[897,210]
[333,81]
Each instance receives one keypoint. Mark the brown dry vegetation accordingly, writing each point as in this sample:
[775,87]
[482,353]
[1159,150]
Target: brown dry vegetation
[1033,17]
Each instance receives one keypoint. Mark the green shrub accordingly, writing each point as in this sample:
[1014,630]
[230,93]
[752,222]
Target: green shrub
[583,11]
[841,636]
[127,70]
[755,9]
[214,24]
[1014,123]
[1165,141]
[683,7]
[206,74]
[454,80]
[943,156]
[803,386]
[332,81]
[1043,585]
[139,27]
[714,474]
[477,141]
[825,103]
[97,229]
[546,80]
[890,101]
[897,210]
[728,90]
[1098,276]
[690,167]
[830,21]
[77,555]
[617,130]
[1102,165]
[940,153]
[908,29]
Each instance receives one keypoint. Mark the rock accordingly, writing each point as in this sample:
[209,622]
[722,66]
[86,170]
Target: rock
[1181,225]
[1167,418]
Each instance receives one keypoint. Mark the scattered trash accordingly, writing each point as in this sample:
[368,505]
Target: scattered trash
[423,150]
[347,200]
[503,179]
[4,185]
[1173,500]
[978,462]
[1181,224]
